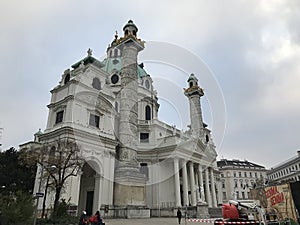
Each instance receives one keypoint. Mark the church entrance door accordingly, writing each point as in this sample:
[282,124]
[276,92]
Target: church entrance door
[89,202]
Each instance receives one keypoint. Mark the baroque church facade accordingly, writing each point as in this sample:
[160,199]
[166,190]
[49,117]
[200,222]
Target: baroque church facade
[135,164]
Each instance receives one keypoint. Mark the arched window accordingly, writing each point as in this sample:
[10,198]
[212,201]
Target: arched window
[67,78]
[147,84]
[147,112]
[52,152]
[96,83]
[116,52]
[207,138]
[191,84]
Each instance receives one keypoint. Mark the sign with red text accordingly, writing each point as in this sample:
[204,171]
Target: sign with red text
[279,198]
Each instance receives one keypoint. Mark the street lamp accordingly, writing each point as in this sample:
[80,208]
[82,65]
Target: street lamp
[38,195]
[52,168]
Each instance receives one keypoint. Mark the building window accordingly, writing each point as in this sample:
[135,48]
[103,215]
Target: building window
[96,84]
[223,184]
[147,112]
[115,52]
[206,138]
[144,169]
[245,174]
[235,184]
[147,84]
[52,152]
[67,78]
[144,137]
[234,174]
[250,174]
[224,195]
[114,79]
[59,117]
[240,174]
[94,120]
[243,195]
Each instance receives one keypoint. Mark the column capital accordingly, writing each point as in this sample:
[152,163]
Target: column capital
[191,163]
[183,161]
[200,168]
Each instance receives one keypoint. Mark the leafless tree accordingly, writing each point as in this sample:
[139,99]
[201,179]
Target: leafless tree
[59,161]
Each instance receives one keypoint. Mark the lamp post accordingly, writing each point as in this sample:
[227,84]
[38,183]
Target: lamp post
[38,195]
[52,168]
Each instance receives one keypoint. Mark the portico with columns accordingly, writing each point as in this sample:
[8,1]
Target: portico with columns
[192,181]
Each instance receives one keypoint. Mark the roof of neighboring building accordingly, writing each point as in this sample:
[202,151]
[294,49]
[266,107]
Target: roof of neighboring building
[235,162]
[286,163]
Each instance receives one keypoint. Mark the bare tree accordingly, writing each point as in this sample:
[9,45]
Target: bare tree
[59,161]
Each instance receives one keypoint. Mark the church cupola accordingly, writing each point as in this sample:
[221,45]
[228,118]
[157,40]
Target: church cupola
[193,81]
[130,29]
[193,86]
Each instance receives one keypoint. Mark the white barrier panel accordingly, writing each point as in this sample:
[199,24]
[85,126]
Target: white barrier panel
[220,221]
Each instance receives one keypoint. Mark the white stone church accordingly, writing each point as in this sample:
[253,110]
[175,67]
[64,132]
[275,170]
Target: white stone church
[135,164]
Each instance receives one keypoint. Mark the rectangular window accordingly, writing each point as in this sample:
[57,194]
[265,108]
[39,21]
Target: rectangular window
[240,174]
[94,120]
[59,117]
[224,195]
[144,137]
[245,174]
[144,169]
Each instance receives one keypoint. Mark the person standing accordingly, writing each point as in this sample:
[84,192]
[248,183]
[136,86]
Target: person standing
[96,219]
[179,215]
[99,220]
[83,220]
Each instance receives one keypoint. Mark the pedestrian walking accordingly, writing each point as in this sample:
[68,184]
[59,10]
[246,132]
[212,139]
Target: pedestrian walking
[179,215]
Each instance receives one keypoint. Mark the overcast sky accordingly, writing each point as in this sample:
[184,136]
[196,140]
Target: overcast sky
[250,48]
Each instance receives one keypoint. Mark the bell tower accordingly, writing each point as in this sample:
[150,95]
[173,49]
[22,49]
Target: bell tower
[194,93]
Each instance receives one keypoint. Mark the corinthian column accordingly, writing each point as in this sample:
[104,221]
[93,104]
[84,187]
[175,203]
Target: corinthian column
[192,180]
[177,183]
[213,188]
[201,186]
[208,198]
[185,184]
